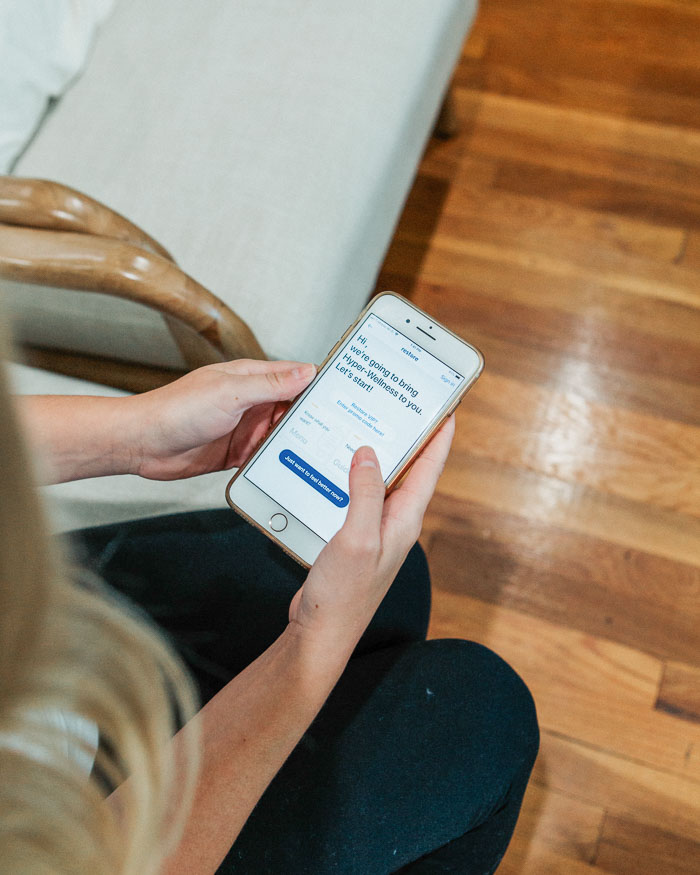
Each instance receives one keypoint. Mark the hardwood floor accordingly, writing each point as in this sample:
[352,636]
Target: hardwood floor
[560,232]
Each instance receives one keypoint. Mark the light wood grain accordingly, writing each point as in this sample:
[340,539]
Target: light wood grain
[625,788]
[557,145]
[641,201]
[451,259]
[679,691]
[577,581]
[628,846]
[40,203]
[85,262]
[541,222]
[560,232]
[691,251]
[546,358]
[555,833]
[562,434]
[577,127]
[574,507]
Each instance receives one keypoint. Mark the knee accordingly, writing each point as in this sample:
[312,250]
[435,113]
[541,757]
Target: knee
[492,700]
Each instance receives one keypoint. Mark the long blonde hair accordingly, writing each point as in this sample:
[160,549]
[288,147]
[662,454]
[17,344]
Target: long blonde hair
[66,645]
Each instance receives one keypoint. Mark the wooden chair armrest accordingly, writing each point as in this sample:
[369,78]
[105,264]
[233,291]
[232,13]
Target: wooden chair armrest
[84,262]
[39,203]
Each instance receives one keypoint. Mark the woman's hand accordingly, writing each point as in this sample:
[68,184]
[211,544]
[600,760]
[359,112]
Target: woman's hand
[212,418]
[354,571]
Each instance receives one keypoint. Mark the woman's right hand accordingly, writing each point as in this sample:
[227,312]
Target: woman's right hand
[353,572]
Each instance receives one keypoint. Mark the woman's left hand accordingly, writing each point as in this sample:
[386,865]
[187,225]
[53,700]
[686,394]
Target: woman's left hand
[212,418]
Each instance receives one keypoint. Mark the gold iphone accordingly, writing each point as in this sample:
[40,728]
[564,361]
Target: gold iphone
[390,382]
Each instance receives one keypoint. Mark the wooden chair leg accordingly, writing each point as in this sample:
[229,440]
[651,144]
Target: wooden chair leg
[447,124]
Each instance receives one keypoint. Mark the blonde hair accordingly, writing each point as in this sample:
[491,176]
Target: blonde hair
[68,646]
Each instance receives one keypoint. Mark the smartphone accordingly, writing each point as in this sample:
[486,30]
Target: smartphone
[390,382]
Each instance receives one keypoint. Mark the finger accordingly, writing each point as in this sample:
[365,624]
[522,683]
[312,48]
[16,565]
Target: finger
[250,367]
[248,434]
[367,493]
[406,504]
[271,385]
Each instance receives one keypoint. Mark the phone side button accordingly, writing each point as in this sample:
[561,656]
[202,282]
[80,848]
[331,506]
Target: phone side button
[278,522]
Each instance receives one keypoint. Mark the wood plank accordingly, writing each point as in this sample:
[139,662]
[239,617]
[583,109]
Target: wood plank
[667,36]
[578,581]
[595,381]
[482,305]
[545,224]
[588,688]
[580,238]
[443,159]
[541,860]
[638,201]
[629,846]
[625,788]
[475,263]
[582,127]
[565,242]
[637,456]
[592,71]
[689,7]
[426,205]
[555,833]
[574,507]
[679,692]
[551,346]
[585,297]
[476,43]
[528,141]
[516,357]
[557,80]
[691,251]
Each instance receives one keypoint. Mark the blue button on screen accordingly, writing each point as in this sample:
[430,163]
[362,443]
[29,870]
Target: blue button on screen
[311,476]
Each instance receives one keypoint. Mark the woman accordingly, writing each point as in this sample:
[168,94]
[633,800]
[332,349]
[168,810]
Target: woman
[332,737]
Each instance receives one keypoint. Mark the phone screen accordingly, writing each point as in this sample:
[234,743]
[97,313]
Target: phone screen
[381,389]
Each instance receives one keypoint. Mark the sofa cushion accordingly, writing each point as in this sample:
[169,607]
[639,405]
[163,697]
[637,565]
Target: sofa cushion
[269,144]
[43,45]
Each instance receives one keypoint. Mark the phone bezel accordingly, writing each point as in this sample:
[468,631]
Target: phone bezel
[257,507]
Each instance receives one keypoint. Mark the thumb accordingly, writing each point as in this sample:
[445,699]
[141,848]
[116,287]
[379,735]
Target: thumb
[273,385]
[367,493]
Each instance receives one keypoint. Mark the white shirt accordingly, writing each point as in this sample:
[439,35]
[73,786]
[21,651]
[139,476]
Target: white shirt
[79,737]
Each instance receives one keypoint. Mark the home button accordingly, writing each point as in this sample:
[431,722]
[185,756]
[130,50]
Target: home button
[278,522]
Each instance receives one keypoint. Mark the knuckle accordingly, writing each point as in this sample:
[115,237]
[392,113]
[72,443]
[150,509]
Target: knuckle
[366,552]
[361,548]
[374,490]
[238,367]
[274,378]
[370,482]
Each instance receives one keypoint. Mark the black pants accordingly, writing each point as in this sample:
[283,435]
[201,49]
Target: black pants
[420,757]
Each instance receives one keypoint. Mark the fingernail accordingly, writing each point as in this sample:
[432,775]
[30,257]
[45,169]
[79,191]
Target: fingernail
[305,371]
[362,460]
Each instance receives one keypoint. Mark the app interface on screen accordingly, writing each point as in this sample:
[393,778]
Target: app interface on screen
[381,390]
